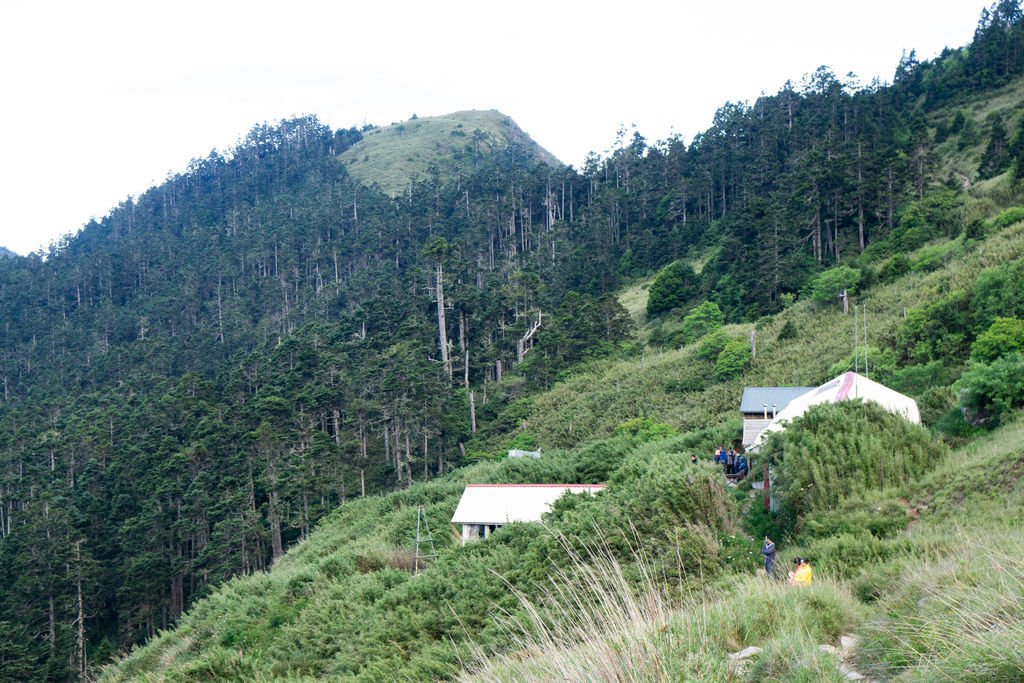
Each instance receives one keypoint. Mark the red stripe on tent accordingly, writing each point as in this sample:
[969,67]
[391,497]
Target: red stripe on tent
[844,390]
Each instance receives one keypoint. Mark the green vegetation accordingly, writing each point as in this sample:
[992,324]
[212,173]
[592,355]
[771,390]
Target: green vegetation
[343,603]
[436,148]
[674,286]
[833,283]
[268,352]
[869,516]
[843,451]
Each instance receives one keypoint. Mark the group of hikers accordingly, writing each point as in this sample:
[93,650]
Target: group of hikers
[802,575]
[734,463]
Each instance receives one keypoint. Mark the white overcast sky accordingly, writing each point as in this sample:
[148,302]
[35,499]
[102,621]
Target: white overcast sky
[100,100]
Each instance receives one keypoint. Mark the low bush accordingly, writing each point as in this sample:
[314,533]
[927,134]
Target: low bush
[674,286]
[1004,336]
[828,286]
[701,320]
[1006,218]
[845,450]
[713,344]
[989,392]
[732,359]
[883,520]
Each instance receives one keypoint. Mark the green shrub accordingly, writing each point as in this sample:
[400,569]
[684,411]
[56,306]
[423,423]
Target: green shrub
[845,450]
[644,429]
[596,461]
[988,392]
[712,345]
[896,267]
[847,554]
[1004,336]
[917,379]
[942,330]
[732,360]
[1006,218]
[997,292]
[934,403]
[675,285]
[787,331]
[829,285]
[522,441]
[701,320]
[881,521]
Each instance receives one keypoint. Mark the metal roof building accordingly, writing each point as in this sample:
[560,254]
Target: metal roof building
[760,405]
[759,400]
[485,507]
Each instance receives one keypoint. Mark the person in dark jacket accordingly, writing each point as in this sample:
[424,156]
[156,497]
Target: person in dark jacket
[741,465]
[730,462]
[768,550]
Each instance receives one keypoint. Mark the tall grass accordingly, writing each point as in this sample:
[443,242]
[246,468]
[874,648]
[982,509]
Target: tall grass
[960,618]
[593,623]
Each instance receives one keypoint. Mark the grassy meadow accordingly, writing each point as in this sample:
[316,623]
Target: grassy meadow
[393,155]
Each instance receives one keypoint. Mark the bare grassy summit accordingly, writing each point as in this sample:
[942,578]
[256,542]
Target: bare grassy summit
[392,156]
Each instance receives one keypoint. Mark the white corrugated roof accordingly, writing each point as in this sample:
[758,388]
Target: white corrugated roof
[504,503]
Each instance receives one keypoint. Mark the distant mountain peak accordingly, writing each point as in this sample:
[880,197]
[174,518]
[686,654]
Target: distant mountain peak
[392,156]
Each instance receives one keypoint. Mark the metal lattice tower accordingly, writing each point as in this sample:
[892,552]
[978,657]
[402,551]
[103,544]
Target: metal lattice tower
[423,537]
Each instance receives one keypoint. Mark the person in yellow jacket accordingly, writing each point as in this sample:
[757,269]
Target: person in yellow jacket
[802,575]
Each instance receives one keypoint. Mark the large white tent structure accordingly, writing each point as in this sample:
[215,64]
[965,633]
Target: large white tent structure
[485,507]
[845,387]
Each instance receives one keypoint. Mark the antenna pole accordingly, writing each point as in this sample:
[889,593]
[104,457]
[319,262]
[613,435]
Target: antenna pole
[867,373]
[856,349]
[423,535]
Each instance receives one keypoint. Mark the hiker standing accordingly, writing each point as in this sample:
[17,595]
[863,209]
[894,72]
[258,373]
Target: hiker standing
[742,468]
[730,462]
[768,550]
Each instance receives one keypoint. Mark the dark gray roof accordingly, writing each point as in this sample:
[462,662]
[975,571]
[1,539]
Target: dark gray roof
[755,398]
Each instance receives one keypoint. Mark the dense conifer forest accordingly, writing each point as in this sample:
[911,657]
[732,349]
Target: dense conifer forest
[193,382]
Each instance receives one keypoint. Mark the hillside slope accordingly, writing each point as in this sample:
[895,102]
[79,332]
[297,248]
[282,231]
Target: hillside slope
[194,381]
[394,156]
[352,572]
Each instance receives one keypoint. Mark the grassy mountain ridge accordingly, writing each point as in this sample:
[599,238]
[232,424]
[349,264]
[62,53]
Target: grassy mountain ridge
[393,156]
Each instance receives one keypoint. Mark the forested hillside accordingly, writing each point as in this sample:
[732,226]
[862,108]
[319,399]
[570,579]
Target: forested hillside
[191,383]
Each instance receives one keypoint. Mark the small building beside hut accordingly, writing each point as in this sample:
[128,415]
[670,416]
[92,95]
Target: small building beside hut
[760,405]
[485,507]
